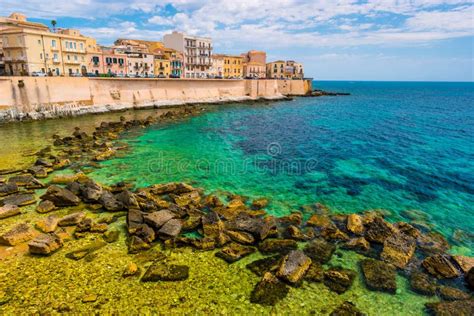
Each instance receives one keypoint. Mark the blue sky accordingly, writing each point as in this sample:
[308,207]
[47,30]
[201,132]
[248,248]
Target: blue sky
[334,39]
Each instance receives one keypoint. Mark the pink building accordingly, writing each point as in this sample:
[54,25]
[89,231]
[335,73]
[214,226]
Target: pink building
[107,61]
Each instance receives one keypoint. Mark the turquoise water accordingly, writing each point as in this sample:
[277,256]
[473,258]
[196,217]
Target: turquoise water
[390,145]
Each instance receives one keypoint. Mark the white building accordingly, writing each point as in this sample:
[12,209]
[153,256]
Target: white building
[197,52]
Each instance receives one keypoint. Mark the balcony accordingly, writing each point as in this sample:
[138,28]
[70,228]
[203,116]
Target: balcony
[190,46]
[15,59]
[56,61]
[14,45]
[72,62]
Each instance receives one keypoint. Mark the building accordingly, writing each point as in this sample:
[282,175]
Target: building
[254,64]
[281,69]
[106,61]
[197,53]
[140,65]
[233,66]
[176,62]
[217,68]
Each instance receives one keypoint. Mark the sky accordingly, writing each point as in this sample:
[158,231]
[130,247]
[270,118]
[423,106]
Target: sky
[412,40]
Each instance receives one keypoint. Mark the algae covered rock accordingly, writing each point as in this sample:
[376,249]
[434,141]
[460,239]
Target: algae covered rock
[84,251]
[131,270]
[111,236]
[21,199]
[8,188]
[452,294]
[71,219]
[261,266]
[355,224]
[319,250]
[398,249]
[315,273]
[160,271]
[17,235]
[293,266]
[158,218]
[269,290]
[9,211]
[379,230]
[234,252]
[241,237]
[464,262]
[338,279]
[45,244]
[347,309]
[60,196]
[136,244]
[379,276]
[440,266]
[171,228]
[422,283]
[470,278]
[359,244]
[454,308]
[48,224]
[277,246]
[45,206]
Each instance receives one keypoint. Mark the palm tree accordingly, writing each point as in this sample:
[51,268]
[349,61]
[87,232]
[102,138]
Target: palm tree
[53,23]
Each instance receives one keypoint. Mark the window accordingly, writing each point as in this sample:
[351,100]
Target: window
[120,61]
[68,57]
[39,42]
[95,59]
[82,46]
[41,56]
[55,57]
[115,60]
[53,43]
[75,45]
[75,57]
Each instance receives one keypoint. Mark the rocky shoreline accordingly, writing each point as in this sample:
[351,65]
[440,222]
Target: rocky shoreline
[176,215]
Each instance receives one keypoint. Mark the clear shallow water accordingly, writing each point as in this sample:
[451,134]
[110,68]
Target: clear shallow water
[390,145]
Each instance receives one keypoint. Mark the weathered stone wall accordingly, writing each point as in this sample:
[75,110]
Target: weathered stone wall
[38,97]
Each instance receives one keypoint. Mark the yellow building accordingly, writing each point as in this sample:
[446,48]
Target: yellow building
[233,66]
[162,67]
[281,69]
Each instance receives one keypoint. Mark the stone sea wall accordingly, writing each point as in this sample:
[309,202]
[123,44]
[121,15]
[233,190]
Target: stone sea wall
[37,98]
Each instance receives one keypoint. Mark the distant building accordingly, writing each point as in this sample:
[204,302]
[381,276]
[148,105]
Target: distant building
[217,68]
[197,53]
[285,70]
[254,64]
[106,61]
[140,59]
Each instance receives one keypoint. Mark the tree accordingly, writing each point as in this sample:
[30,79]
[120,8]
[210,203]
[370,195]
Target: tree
[53,23]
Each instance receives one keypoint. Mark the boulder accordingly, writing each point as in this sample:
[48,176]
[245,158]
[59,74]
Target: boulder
[296,233]
[241,237]
[21,199]
[319,250]
[45,244]
[320,222]
[294,266]
[111,236]
[455,308]
[268,264]
[110,203]
[398,249]
[338,279]
[189,198]
[295,218]
[355,224]
[159,218]
[234,252]
[379,276]
[87,250]
[48,224]
[407,229]
[315,273]
[432,243]
[449,293]
[136,245]
[45,206]
[347,309]
[421,283]
[440,266]
[170,229]
[379,230]
[38,171]
[214,228]
[277,246]
[9,211]
[159,271]
[25,180]
[8,188]
[145,233]
[464,262]
[269,290]
[60,196]
[91,191]
[172,187]
[128,199]
[134,219]
[17,235]
[71,219]
[359,244]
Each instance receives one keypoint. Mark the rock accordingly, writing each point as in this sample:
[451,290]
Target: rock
[170,229]
[464,262]
[87,250]
[84,225]
[145,233]
[359,244]
[407,229]
[269,290]
[43,163]
[134,220]
[159,218]
[295,233]
[259,203]
[25,180]
[110,203]
[379,276]
[320,222]
[294,266]
[295,218]
[45,206]
[8,188]
[190,198]
[315,273]
[127,199]
[191,223]
[452,294]
[432,243]
[214,228]
[258,227]
[98,228]
[379,230]
[338,279]
[91,191]
[319,250]
[17,235]
[60,196]
[277,246]
[21,199]
[111,236]
[130,270]
[421,283]
[9,211]
[469,278]
[347,309]
[398,250]
[234,252]
[269,264]
[440,266]
[48,224]
[89,298]
[172,187]
[68,178]
[241,237]
[354,224]
[136,245]
[45,244]
[159,271]
[455,308]
[38,171]
[71,219]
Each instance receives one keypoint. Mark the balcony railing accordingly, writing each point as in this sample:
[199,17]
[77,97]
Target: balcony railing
[14,59]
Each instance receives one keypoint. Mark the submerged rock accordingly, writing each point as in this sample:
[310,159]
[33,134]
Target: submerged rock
[111,236]
[338,279]
[159,218]
[131,270]
[160,271]
[398,250]
[315,273]
[269,290]
[9,211]
[82,252]
[136,245]
[359,244]
[60,196]
[17,235]
[452,294]
[171,228]
[379,230]
[464,262]
[294,266]
[421,283]
[72,219]
[110,203]
[355,224]
[455,308]
[8,188]
[269,264]
[379,276]
[440,266]
[45,244]
[241,237]
[259,203]
[21,199]
[470,278]
[319,250]
[145,233]
[347,309]
[234,252]
[277,246]
[45,206]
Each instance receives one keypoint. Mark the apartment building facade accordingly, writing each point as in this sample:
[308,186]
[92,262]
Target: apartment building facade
[217,68]
[281,69]
[197,53]
[254,64]
[106,61]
